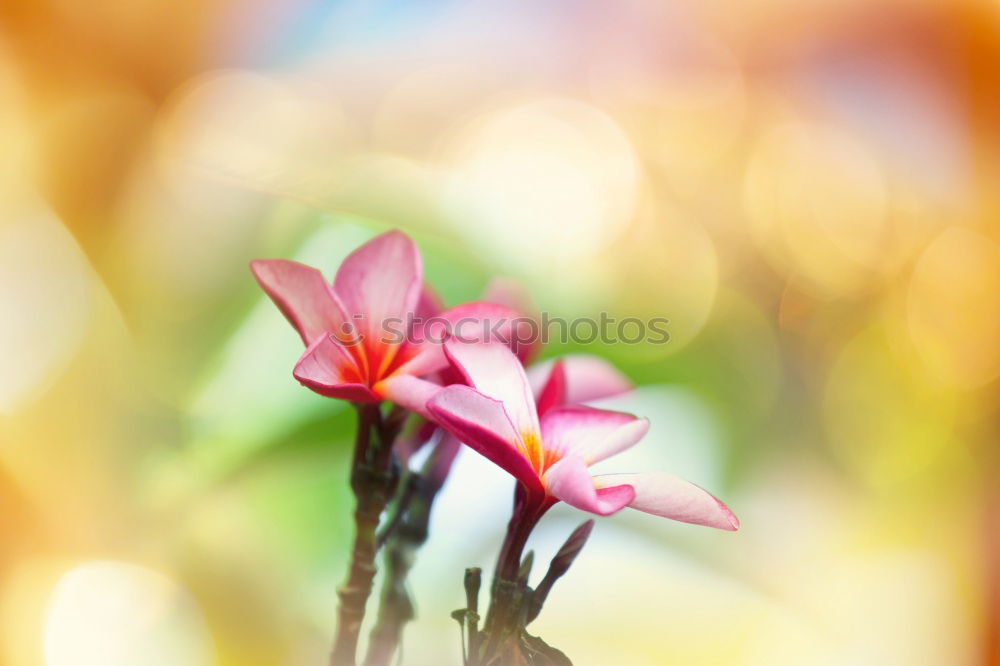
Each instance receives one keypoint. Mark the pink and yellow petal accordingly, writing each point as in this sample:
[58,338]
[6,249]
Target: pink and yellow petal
[379,286]
[329,369]
[592,434]
[408,391]
[483,424]
[666,495]
[493,370]
[568,480]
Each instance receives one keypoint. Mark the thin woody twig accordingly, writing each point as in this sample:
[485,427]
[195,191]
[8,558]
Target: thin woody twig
[405,534]
[371,482]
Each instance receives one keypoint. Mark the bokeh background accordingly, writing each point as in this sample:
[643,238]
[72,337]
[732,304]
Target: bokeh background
[808,191]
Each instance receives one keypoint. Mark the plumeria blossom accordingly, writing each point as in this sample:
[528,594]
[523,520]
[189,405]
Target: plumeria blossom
[358,330]
[496,415]
[572,379]
[502,309]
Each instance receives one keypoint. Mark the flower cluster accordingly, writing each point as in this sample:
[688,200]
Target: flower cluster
[530,421]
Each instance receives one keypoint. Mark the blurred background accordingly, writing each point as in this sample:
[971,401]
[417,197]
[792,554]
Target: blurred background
[808,191]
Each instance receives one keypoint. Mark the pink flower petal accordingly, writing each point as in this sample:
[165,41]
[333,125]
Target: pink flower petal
[553,393]
[329,369]
[592,434]
[408,391]
[493,370]
[379,285]
[302,295]
[425,359]
[587,378]
[570,481]
[663,494]
[482,423]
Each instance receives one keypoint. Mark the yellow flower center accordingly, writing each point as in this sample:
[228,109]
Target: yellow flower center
[533,451]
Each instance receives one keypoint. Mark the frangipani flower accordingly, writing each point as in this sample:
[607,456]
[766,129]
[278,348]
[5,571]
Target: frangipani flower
[496,415]
[358,330]
[572,379]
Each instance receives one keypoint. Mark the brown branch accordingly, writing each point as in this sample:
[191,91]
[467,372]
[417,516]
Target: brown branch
[371,482]
[405,535]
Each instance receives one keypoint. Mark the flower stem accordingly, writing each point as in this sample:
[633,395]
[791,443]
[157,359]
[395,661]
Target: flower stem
[396,608]
[371,482]
[407,534]
[504,618]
